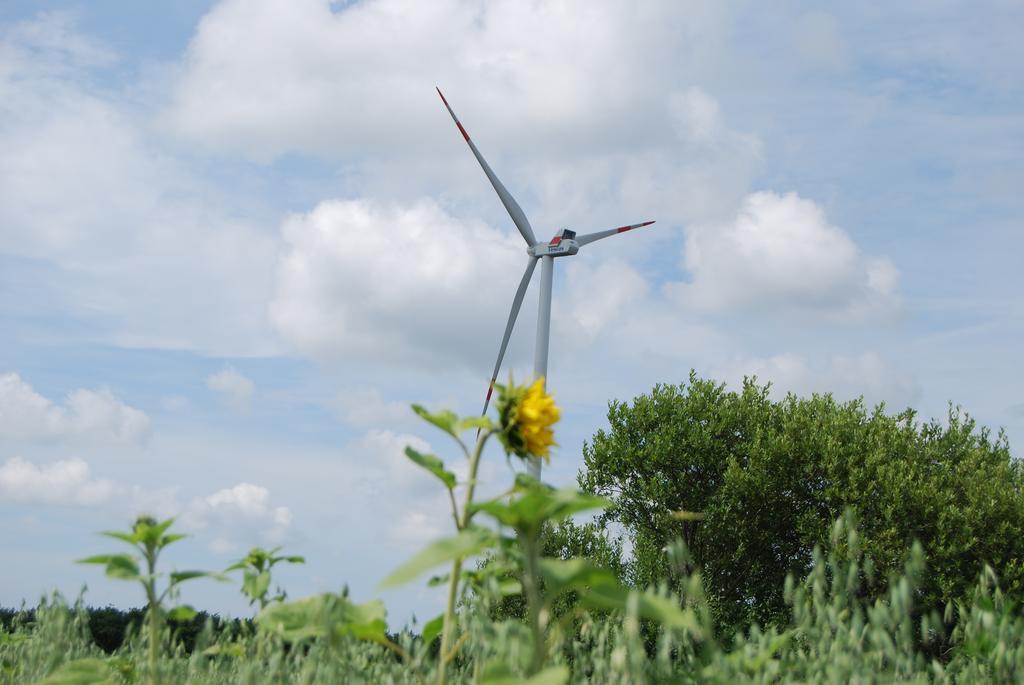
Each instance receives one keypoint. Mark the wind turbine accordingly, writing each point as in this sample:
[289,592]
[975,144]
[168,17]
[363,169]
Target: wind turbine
[565,243]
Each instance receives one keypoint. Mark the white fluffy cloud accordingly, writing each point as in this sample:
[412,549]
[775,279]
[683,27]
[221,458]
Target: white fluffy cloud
[94,414]
[698,122]
[781,253]
[234,388]
[598,294]
[414,528]
[377,470]
[380,468]
[380,281]
[134,242]
[228,520]
[66,482]
[265,78]
[124,233]
[367,407]
[238,517]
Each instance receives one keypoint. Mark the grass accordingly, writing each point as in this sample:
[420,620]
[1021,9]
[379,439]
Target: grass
[834,635]
[581,624]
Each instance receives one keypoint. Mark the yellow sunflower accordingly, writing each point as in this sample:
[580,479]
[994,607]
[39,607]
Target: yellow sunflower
[527,414]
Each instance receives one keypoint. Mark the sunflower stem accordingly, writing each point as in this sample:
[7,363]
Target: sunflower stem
[531,585]
[453,581]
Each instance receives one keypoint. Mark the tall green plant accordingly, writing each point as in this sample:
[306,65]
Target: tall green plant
[469,539]
[149,537]
[526,415]
[256,567]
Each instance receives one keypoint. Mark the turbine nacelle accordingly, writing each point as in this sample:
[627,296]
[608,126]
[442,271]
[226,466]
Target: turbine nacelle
[562,245]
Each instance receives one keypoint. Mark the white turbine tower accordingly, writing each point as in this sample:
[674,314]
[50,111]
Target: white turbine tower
[565,243]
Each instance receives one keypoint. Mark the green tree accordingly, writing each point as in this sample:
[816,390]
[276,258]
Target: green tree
[771,476]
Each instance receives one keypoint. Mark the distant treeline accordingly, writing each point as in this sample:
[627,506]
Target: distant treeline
[109,625]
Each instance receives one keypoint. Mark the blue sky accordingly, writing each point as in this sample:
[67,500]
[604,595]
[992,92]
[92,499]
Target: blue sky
[238,239]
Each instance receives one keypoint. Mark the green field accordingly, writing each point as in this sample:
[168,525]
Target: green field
[833,636]
[717,586]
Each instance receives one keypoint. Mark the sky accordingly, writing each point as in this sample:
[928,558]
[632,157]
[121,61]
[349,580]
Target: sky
[239,238]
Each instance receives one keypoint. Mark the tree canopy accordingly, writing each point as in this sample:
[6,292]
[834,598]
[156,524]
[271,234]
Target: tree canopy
[770,477]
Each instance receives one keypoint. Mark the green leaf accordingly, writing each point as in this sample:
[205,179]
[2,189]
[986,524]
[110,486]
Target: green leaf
[500,674]
[97,559]
[432,628]
[755,663]
[151,534]
[599,588]
[467,543]
[565,502]
[688,515]
[182,613]
[576,574]
[365,621]
[667,612]
[255,585]
[181,576]
[124,666]
[500,510]
[556,675]
[648,605]
[432,464]
[510,587]
[294,559]
[438,581]
[533,504]
[297,620]
[120,566]
[324,615]
[232,649]
[172,538]
[81,672]
[479,422]
[130,538]
[445,420]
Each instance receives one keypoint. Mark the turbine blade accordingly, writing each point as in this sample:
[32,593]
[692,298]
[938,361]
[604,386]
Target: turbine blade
[517,302]
[513,208]
[591,237]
